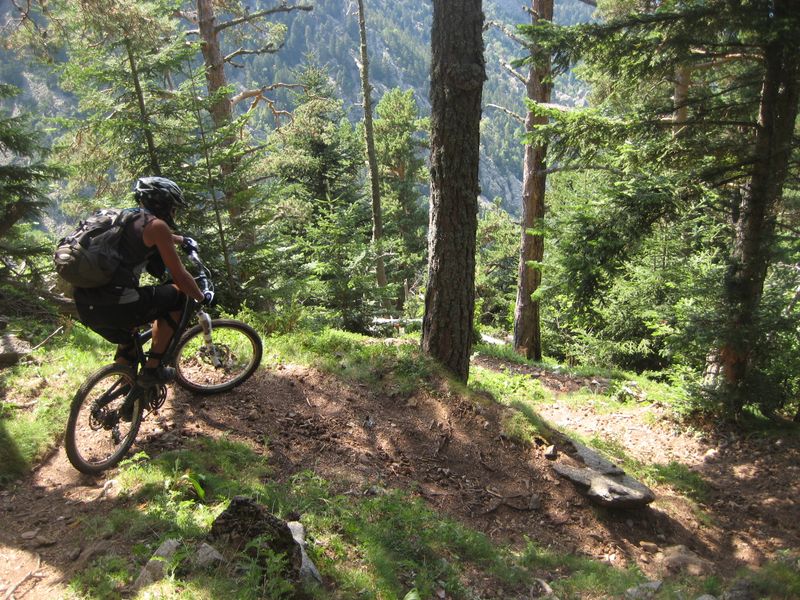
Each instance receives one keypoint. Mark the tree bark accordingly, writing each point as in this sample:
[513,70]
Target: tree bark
[457,75]
[527,322]
[756,214]
[155,168]
[221,111]
[372,161]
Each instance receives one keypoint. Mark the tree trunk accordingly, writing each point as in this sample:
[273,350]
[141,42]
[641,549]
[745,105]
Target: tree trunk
[372,161]
[155,168]
[221,111]
[527,323]
[683,80]
[222,108]
[457,75]
[755,216]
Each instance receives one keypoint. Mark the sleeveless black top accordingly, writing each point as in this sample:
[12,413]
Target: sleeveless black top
[135,258]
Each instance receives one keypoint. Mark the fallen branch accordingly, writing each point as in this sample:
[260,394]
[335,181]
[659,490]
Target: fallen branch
[43,342]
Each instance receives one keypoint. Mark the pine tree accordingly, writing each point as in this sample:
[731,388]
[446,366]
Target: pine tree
[698,105]
[24,172]
[457,75]
[400,138]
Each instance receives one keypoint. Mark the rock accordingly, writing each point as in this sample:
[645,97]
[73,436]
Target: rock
[644,591]
[207,557]
[88,554]
[648,547]
[630,391]
[679,559]
[543,591]
[12,349]
[595,461]
[155,569]
[29,535]
[603,482]
[308,570]
[706,597]
[245,520]
[742,589]
[550,452]
[44,541]
[611,491]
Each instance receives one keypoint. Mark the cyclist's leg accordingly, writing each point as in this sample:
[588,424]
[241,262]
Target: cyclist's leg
[126,353]
[163,329]
[162,306]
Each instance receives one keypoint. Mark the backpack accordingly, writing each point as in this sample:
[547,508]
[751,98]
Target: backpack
[89,256]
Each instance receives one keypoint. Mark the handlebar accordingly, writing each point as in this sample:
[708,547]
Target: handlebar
[203,279]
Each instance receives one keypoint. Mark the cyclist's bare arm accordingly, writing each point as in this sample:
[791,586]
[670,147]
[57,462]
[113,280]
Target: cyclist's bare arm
[158,234]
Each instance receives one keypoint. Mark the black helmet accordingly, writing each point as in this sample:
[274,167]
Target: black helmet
[160,196]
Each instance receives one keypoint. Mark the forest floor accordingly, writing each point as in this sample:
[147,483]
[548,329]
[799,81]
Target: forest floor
[451,452]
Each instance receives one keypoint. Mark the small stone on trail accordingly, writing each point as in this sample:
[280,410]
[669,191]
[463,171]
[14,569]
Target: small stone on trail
[44,542]
[308,570]
[207,556]
[550,452]
[29,535]
[648,547]
[154,570]
[644,591]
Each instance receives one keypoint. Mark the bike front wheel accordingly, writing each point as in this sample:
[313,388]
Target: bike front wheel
[104,419]
[229,359]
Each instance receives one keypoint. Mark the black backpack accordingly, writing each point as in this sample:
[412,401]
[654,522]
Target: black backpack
[89,256]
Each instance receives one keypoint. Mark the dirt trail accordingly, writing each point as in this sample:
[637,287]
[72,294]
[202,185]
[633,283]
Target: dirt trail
[454,451]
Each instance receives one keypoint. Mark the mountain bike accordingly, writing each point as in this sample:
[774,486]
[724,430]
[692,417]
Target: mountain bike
[209,357]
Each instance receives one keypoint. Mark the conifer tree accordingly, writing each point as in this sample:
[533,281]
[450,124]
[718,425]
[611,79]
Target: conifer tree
[721,131]
[24,173]
[400,139]
[457,75]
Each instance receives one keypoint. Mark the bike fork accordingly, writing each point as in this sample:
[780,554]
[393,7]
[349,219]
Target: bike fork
[205,323]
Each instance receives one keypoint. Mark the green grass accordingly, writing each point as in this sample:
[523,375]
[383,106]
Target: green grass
[520,392]
[506,352]
[46,381]
[400,368]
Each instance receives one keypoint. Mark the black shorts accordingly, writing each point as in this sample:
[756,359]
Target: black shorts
[117,322]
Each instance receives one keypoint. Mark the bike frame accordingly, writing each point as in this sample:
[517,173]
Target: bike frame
[190,310]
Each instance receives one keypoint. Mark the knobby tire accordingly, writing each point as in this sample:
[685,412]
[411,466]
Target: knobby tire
[97,438]
[233,357]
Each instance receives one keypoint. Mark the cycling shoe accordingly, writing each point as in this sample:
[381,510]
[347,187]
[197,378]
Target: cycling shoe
[154,376]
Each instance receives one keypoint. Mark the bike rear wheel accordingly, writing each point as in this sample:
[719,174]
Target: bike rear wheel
[229,360]
[104,419]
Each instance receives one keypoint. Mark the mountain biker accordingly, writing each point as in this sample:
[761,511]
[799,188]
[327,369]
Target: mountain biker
[117,309]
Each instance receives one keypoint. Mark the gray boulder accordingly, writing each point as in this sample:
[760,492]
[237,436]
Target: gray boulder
[603,482]
[611,491]
[12,349]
